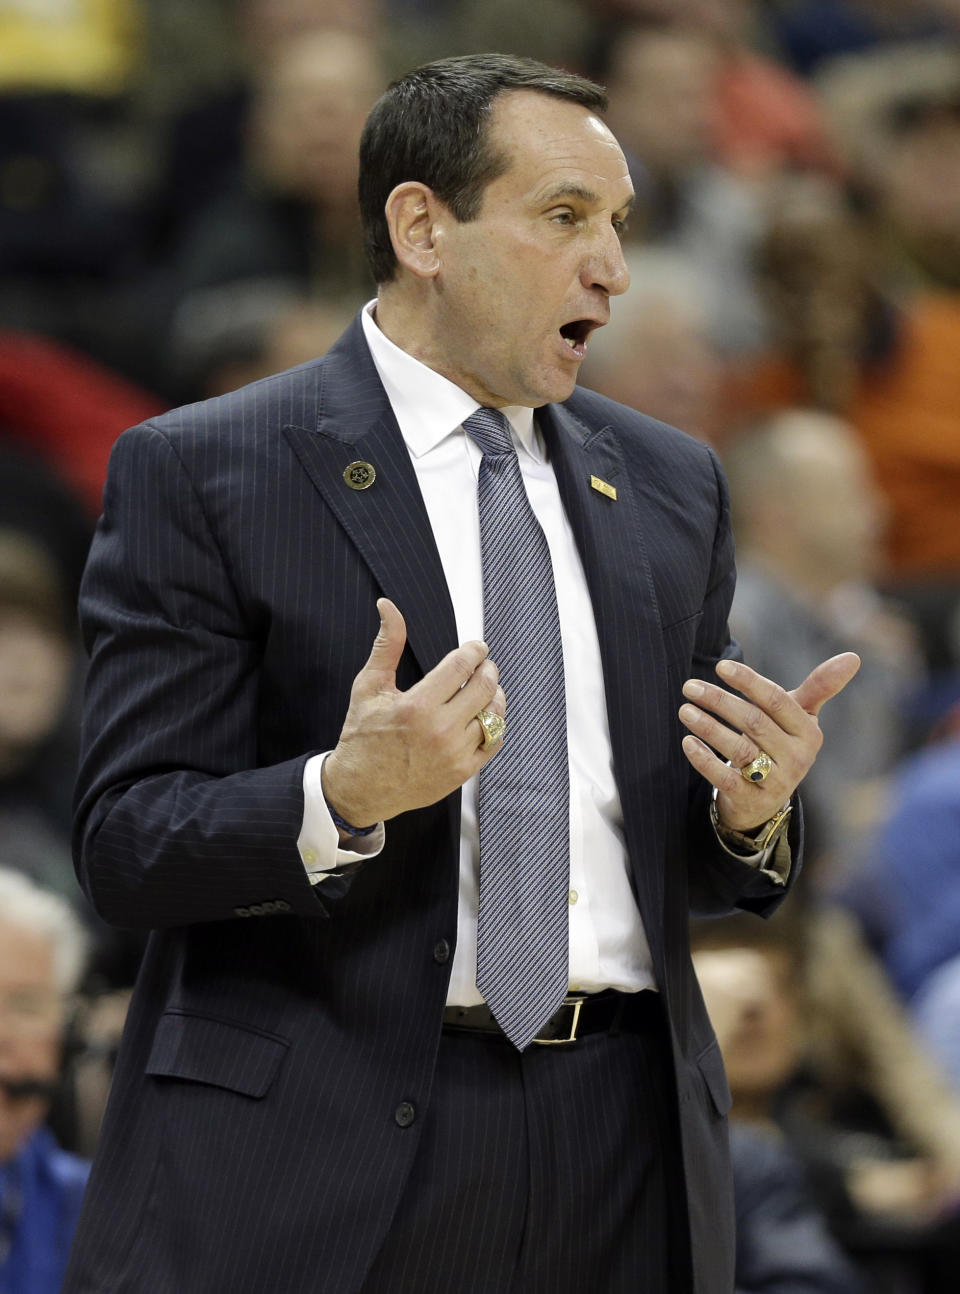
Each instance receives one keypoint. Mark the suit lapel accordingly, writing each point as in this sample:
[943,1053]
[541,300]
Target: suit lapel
[387,522]
[610,535]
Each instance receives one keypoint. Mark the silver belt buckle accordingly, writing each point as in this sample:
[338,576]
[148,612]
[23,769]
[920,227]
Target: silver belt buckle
[576,1001]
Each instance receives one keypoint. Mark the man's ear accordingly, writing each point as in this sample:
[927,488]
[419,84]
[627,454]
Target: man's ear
[411,213]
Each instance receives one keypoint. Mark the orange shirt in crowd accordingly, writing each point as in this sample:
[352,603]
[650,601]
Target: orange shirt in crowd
[907,411]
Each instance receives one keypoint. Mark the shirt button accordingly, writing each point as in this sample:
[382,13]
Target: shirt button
[441,952]
[573,896]
[404,1114]
[309,857]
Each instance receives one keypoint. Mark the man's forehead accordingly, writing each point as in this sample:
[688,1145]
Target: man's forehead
[558,146]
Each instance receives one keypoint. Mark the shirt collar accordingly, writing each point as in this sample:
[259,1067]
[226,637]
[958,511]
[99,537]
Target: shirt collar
[428,406]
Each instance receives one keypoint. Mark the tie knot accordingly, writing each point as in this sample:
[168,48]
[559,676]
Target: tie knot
[490,429]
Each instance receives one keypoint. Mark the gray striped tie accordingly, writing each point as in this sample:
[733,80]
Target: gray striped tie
[524,800]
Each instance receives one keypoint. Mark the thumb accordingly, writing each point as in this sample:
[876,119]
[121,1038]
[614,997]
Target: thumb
[381,667]
[830,677]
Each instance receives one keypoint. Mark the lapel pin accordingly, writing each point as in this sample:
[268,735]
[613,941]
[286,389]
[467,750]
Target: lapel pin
[360,476]
[603,487]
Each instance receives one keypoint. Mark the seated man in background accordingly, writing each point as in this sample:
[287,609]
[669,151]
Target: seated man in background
[42,952]
[814,1154]
[808,552]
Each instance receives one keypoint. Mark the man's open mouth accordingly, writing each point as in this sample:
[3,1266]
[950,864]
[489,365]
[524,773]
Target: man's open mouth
[575,334]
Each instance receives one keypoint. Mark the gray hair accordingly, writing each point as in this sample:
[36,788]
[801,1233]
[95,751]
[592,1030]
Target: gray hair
[26,905]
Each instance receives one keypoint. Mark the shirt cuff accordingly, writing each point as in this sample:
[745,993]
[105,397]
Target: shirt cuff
[318,844]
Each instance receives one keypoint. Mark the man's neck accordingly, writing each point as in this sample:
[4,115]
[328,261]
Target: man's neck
[402,320]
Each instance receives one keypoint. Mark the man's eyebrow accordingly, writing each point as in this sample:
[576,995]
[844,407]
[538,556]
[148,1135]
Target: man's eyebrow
[571,189]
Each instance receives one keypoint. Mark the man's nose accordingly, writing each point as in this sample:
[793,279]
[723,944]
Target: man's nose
[607,267]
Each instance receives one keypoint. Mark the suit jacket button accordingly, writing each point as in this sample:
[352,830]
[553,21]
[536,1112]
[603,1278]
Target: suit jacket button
[441,951]
[404,1114]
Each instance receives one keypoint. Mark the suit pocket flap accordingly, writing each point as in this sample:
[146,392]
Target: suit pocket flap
[710,1064]
[217,1052]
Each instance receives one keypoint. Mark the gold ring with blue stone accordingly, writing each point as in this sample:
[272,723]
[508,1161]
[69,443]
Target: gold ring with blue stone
[757,769]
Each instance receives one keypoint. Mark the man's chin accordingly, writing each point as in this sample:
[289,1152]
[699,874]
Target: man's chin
[557,387]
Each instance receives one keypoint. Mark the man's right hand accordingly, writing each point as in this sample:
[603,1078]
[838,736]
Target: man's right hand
[403,750]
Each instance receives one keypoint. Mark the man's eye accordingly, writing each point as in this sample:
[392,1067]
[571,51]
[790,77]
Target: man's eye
[564,217]
[621,227]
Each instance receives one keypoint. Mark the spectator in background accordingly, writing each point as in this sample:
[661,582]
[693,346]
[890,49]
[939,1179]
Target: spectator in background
[265,334]
[854,332]
[42,950]
[879,1154]
[909,413]
[828,326]
[765,119]
[661,85]
[288,228]
[906,890]
[812,31]
[37,740]
[807,519]
[204,142]
[783,1241]
[784,1245]
[72,221]
[661,357]
[44,534]
[936,1013]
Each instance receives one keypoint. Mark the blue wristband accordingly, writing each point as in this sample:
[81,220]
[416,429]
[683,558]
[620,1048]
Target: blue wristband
[348,827]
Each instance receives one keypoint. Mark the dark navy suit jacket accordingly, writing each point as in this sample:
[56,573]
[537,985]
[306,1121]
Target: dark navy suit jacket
[282,1039]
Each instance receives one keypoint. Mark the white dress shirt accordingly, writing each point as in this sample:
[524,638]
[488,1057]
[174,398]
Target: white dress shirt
[607,943]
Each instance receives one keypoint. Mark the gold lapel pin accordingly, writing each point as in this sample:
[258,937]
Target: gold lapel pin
[359,476]
[603,487]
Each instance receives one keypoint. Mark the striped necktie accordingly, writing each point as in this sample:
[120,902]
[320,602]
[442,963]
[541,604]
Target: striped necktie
[524,795]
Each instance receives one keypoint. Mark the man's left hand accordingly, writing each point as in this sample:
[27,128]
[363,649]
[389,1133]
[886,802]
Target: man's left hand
[765,718]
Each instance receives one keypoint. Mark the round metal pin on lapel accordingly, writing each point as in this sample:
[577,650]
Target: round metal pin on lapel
[359,475]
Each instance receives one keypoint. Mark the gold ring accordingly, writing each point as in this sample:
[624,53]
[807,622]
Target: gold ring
[493,727]
[757,769]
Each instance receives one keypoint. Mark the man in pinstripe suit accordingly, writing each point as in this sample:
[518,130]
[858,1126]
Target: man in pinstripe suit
[311,1095]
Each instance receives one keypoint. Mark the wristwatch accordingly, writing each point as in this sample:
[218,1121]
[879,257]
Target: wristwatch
[762,839]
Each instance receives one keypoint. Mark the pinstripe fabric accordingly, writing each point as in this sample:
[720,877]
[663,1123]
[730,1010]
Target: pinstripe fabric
[521,1184]
[524,796]
[259,1134]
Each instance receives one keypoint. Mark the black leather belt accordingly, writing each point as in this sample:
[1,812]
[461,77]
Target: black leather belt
[580,1014]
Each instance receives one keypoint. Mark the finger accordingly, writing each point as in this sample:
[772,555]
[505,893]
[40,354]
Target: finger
[476,694]
[746,717]
[734,746]
[457,669]
[499,703]
[824,682]
[380,670]
[768,697]
[496,705]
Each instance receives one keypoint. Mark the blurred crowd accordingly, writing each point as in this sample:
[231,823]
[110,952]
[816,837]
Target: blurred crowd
[178,217]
